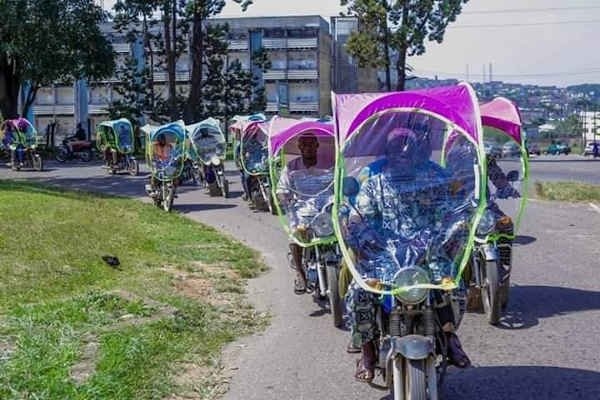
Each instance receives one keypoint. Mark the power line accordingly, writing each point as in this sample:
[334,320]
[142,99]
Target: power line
[530,75]
[591,21]
[531,10]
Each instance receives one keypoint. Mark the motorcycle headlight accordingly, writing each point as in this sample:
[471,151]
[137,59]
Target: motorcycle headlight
[408,277]
[215,160]
[322,225]
[486,223]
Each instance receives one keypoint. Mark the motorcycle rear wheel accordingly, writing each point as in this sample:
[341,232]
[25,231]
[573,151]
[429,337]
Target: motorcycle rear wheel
[62,154]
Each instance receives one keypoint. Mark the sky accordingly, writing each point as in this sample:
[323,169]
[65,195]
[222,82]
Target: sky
[545,42]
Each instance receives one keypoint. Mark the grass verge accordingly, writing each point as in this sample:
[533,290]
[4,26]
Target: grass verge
[568,191]
[73,327]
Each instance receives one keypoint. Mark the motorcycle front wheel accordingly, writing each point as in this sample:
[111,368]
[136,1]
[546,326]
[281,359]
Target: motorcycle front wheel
[490,295]
[86,156]
[168,199]
[335,302]
[38,162]
[134,168]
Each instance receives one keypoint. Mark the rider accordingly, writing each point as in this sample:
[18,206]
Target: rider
[407,196]
[309,161]
[161,153]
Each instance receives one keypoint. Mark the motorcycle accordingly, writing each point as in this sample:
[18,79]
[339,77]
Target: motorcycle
[72,149]
[116,142]
[208,142]
[303,202]
[490,269]
[254,162]
[19,137]
[404,228]
[165,153]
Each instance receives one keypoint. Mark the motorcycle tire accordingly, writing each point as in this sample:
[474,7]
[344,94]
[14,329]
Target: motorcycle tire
[134,168]
[225,189]
[168,201]
[335,302]
[62,155]
[38,163]
[490,289]
[86,156]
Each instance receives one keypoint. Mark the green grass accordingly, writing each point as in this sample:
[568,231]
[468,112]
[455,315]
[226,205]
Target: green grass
[57,296]
[567,191]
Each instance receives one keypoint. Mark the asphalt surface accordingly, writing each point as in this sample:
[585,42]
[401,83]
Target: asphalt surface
[546,347]
[559,168]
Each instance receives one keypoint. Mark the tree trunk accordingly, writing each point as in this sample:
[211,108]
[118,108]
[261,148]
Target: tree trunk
[401,69]
[148,47]
[31,95]
[9,89]
[386,46]
[193,109]
[170,55]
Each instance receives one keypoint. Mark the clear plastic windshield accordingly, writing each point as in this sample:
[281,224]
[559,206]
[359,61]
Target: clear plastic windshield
[166,153]
[208,142]
[405,203]
[105,138]
[304,174]
[507,185]
[254,151]
[124,136]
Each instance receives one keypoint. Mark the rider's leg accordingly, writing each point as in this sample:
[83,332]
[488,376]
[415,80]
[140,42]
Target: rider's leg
[300,282]
[362,310]
[456,354]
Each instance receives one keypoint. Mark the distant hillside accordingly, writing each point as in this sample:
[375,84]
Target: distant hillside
[585,88]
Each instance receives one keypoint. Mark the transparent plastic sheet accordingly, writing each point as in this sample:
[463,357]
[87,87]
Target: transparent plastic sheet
[115,134]
[404,202]
[505,198]
[207,140]
[304,196]
[18,131]
[254,150]
[166,163]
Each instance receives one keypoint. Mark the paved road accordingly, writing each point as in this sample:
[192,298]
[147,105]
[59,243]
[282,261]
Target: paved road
[546,348]
[560,168]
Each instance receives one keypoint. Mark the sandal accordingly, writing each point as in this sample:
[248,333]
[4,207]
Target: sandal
[456,354]
[299,286]
[352,349]
[363,374]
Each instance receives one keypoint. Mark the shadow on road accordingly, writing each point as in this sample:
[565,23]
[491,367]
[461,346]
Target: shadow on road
[577,160]
[524,240]
[522,383]
[528,304]
[188,208]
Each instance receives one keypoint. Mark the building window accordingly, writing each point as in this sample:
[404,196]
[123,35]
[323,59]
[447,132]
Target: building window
[303,33]
[278,60]
[274,33]
[99,94]
[302,60]
[65,95]
[271,92]
[242,57]
[45,96]
[304,93]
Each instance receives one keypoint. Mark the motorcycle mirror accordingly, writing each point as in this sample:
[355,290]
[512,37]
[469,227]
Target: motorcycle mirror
[351,186]
[513,176]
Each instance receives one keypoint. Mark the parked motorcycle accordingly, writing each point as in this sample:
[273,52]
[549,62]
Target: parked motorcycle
[115,141]
[74,150]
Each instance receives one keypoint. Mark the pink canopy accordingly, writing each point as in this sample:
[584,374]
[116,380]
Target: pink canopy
[458,104]
[502,114]
[282,130]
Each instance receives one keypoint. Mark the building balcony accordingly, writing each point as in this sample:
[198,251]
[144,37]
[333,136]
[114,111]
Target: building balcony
[121,47]
[182,76]
[272,107]
[302,74]
[273,43]
[309,43]
[275,75]
[98,108]
[54,109]
[238,44]
[304,106]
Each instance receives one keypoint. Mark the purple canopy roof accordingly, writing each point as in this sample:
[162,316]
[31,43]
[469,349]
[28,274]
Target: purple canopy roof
[283,130]
[502,114]
[458,104]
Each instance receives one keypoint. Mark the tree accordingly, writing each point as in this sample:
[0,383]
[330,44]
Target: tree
[398,26]
[132,90]
[44,42]
[198,12]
